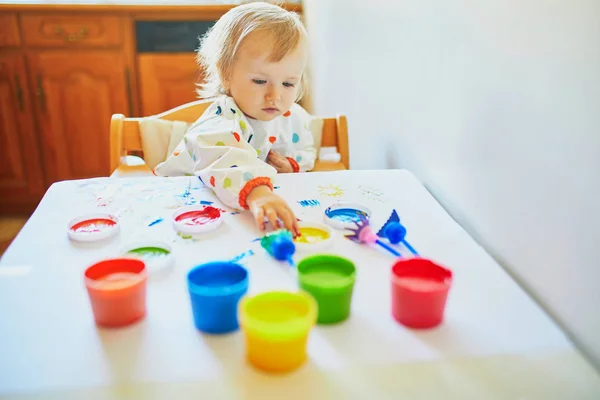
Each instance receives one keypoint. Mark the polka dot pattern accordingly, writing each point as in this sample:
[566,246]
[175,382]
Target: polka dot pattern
[298,158]
[247,176]
[212,181]
[236,136]
[226,183]
[295,138]
[219,144]
[272,139]
[287,114]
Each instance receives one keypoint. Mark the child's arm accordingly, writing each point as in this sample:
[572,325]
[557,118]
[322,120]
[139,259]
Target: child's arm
[216,150]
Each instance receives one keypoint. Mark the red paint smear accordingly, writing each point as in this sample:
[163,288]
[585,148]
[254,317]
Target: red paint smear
[199,217]
[93,225]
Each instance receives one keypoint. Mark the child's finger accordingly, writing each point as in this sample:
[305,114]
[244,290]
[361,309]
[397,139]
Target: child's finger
[287,220]
[295,226]
[272,216]
[259,217]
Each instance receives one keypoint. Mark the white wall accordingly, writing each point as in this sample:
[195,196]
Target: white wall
[495,105]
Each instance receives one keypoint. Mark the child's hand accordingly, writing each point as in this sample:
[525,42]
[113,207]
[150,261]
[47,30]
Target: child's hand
[263,202]
[281,164]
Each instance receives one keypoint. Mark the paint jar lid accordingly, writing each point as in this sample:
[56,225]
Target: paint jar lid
[93,227]
[344,215]
[157,255]
[193,220]
[314,236]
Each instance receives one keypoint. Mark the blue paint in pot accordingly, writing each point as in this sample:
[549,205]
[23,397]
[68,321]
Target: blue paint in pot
[215,289]
[345,215]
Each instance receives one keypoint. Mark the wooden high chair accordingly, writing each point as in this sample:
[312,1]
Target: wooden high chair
[125,137]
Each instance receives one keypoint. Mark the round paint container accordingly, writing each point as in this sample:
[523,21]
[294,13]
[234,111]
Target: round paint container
[117,291]
[330,280]
[195,220]
[345,215]
[157,255]
[276,326]
[215,290]
[93,227]
[313,237]
[419,292]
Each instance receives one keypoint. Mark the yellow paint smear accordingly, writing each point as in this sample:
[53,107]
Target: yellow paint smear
[312,235]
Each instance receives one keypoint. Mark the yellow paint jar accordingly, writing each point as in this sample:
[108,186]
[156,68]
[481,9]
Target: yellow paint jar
[276,326]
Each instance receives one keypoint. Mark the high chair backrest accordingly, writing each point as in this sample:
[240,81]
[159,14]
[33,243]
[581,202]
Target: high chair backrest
[125,132]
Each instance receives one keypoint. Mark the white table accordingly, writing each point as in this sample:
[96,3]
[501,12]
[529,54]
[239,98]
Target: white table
[495,343]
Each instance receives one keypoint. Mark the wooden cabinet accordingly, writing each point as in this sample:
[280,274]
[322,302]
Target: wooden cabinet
[76,95]
[167,80]
[21,179]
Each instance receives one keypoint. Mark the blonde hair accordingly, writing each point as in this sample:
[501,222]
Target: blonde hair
[221,43]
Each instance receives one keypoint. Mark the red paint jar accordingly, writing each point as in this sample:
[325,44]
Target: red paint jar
[419,292]
[117,291]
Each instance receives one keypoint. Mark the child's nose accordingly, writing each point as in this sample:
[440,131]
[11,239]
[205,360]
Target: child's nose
[273,93]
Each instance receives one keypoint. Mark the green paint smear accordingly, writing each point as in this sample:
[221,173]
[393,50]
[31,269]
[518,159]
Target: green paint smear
[150,252]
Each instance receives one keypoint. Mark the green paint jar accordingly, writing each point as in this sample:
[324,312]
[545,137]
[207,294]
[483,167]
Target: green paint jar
[330,280]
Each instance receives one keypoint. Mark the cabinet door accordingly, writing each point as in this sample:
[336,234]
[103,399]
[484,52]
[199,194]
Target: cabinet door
[21,179]
[77,93]
[166,81]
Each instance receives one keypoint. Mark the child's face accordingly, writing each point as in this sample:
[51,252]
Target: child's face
[262,89]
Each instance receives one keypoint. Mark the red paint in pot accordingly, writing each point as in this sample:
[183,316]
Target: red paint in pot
[93,225]
[117,291]
[199,217]
[419,292]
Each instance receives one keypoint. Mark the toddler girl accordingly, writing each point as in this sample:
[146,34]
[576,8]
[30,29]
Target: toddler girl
[254,59]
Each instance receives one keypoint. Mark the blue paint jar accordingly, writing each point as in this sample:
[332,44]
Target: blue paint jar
[215,290]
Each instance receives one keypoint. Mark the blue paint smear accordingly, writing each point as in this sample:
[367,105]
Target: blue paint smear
[242,256]
[156,221]
[346,215]
[276,187]
[309,203]
[206,203]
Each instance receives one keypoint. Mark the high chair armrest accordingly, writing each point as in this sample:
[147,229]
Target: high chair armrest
[321,166]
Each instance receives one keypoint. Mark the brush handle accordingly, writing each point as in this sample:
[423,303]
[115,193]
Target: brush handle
[410,248]
[388,248]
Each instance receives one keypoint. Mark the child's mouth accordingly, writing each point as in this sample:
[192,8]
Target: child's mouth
[271,110]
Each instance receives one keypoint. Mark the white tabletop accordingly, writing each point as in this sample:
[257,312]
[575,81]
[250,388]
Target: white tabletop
[495,343]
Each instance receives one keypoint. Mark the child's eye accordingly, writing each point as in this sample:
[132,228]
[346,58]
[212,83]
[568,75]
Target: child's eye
[259,81]
[288,84]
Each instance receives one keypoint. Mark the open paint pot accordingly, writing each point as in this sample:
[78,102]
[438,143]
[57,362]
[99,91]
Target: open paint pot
[93,227]
[117,291]
[345,215]
[313,237]
[195,220]
[215,290]
[419,292]
[330,280]
[276,327]
[158,256]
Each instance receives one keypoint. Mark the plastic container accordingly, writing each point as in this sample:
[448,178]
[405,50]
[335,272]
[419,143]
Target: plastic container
[314,237]
[345,215]
[419,292]
[93,227]
[157,255]
[215,290]
[196,220]
[330,280]
[276,327]
[117,291]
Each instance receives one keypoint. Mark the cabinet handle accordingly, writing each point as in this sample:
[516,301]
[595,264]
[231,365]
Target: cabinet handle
[41,95]
[71,37]
[19,90]
[129,91]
